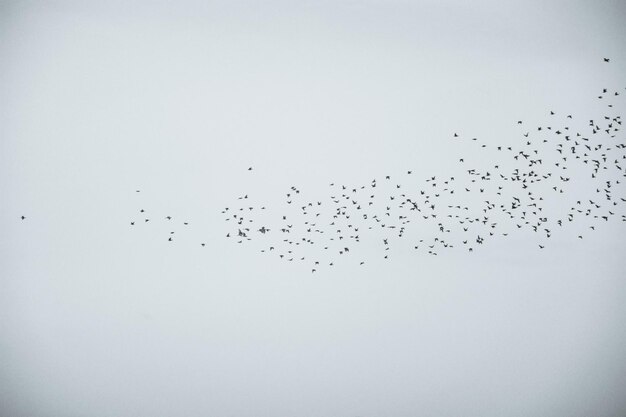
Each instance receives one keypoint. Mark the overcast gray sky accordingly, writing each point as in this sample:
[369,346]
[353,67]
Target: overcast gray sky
[98,318]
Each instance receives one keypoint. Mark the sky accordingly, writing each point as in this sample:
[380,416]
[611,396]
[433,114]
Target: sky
[178,100]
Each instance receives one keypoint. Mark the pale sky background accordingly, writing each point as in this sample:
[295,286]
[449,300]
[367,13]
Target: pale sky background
[101,319]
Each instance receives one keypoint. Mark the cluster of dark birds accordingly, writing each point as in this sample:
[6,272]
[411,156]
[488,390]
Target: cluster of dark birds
[145,219]
[569,162]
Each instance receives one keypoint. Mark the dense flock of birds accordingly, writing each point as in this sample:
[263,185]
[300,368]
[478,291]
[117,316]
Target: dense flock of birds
[564,173]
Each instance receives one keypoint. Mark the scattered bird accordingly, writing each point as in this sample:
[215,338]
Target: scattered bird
[526,186]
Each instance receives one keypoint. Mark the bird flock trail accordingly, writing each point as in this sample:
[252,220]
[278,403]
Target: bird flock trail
[559,174]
